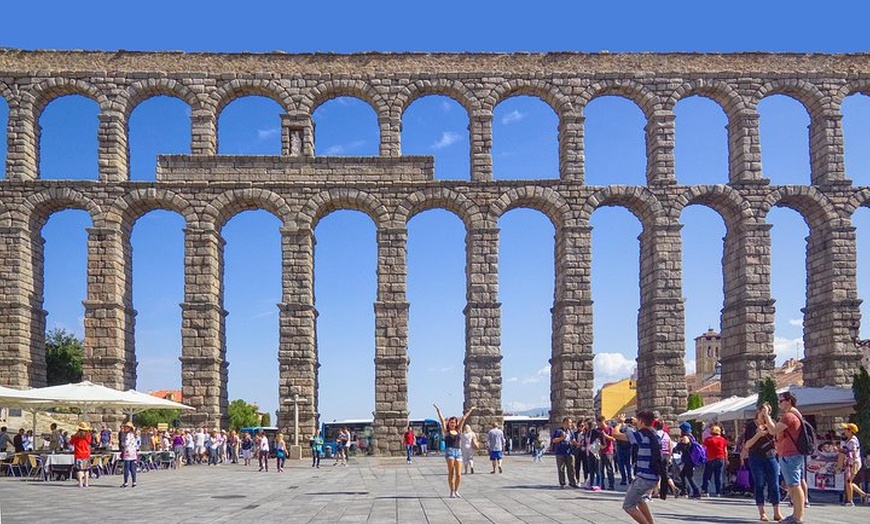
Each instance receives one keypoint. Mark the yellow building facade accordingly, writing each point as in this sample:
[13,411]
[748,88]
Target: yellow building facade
[618,397]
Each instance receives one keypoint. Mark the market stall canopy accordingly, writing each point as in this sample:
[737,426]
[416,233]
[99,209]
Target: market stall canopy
[710,411]
[827,400]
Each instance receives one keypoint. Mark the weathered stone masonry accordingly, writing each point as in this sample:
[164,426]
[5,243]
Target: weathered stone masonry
[300,189]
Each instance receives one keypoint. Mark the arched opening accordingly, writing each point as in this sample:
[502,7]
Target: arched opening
[345,287]
[346,126]
[4,119]
[783,131]
[250,125]
[436,325]
[157,242]
[438,125]
[856,138]
[68,147]
[252,288]
[525,139]
[700,142]
[788,277]
[63,277]
[526,269]
[861,221]
[158,126]
[615,143]
[616,300]
[702,234]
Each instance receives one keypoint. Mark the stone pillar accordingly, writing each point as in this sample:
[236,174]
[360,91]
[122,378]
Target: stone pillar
[391,343]
[571,166]
[297,346]
[482,328]
[480,134]
[661,371]
[747,354]
[22,319]
[744,149]
[22,143]
[113,156]
[203,132]
[660,149]
[297,135]
[826,150]
[203,335]
[391,136]
[110,358]
[571,369]
[832,314]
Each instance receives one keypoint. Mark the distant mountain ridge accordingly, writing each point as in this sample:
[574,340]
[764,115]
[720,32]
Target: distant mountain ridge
[534,412]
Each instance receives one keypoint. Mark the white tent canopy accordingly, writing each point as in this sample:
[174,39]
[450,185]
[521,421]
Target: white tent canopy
[827,400]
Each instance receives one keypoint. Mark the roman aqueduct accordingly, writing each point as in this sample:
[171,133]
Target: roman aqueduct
[300,188]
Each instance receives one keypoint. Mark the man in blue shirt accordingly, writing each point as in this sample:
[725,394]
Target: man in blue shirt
[563,440]
[648,461]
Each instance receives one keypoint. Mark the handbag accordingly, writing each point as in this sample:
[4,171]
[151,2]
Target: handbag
[594,447]
[280,453]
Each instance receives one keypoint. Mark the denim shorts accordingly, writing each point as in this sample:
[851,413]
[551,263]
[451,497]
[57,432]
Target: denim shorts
[453,454]
[792,469]
[495,455]
[638,488]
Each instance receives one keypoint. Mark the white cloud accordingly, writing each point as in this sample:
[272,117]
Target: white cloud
[610,367]
[447,138]
[265,134]
[341,149]
[513,116]
[796,322]
[540,375]
[690,366]
[335,150]
[512,379]
[446,106]
[786,348]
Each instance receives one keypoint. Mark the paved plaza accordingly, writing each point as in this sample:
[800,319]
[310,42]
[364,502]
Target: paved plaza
[369,490]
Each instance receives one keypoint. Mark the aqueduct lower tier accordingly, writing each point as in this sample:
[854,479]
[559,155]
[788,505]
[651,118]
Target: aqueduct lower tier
[300,188]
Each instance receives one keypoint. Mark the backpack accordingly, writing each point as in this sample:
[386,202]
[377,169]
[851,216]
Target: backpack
[806,441]
[697,453]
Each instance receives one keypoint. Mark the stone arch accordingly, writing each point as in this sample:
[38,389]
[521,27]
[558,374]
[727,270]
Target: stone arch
[44,93]
[544,199]
[720,92]
[239,87]
[38,207]
[646,100]
[141,91]
[325,202]
[550,94]
[815,208]
[7,94]
[439,198]
[858,200]
[810,96]
[137,203]
[639,200]
[727,202]
[453,89]
[860,86]
[230,203]
[333,89]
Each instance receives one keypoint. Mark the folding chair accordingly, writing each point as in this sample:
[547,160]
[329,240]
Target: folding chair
[37,468]
[14,466]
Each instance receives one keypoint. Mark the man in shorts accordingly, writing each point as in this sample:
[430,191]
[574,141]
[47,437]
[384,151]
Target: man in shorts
[495,443]
[646,477]
[791,461]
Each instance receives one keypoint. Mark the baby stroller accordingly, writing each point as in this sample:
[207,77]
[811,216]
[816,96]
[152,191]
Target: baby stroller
[738,479]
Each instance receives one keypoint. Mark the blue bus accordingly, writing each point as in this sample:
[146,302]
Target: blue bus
[362,431]
[271,433]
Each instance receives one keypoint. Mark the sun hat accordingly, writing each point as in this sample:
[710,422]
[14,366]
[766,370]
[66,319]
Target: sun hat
[685,427]
[716,430]
[851,427]
[84,426]
[128,424]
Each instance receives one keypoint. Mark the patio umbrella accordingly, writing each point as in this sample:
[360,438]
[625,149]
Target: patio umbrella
[142,401]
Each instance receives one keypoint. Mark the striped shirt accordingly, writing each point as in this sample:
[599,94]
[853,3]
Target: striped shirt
[644,454]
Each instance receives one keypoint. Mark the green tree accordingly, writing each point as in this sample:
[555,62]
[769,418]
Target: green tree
[767,393]
[242,414]
[64,353]
[861,391]
[694,402]
[266,420]
[152,417]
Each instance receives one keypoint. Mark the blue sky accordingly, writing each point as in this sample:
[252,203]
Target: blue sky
[524,147]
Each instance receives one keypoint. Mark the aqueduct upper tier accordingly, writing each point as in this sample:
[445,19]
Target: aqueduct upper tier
[300,188]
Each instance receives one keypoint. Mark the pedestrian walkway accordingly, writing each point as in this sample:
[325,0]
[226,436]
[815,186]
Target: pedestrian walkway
[370,490]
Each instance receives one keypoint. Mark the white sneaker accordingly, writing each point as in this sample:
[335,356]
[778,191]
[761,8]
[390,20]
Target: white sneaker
[452,495]
[457,495]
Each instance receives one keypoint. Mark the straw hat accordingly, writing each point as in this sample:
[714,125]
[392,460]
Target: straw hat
[128,424]
[851,427]
[84,426]
[716,430]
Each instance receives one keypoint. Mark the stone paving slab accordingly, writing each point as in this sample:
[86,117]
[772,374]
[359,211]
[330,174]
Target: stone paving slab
[370,490]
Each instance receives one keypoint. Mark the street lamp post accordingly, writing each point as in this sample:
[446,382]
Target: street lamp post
[295,450]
